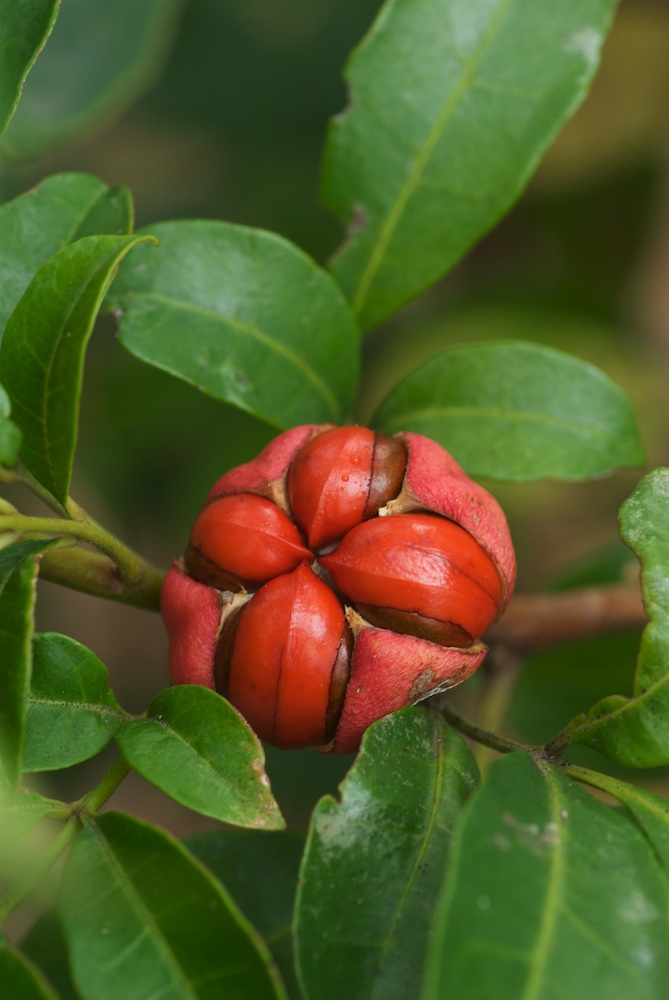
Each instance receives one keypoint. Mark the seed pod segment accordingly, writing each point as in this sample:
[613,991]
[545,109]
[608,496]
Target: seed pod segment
[243,540]
[341,477]
[418,573]
[192,615]
[390,671]
[286,667]
[266,473]
[435,482]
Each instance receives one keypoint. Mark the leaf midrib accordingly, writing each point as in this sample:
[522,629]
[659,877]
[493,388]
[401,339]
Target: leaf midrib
[121,877]
[397,209]
[426,840]
[585,428]
[249,330]
[550,910]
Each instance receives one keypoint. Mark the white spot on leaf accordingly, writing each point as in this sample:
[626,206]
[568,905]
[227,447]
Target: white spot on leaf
[586,43]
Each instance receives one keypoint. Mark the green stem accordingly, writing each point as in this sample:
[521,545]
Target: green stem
[94,573]
[130,565]
[90,802]
[104,790]
[496,742]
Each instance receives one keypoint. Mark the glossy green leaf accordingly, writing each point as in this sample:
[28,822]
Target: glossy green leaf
[374,863]
[198,750]
[10,435]
[453,103]
[260,871]
[25,28]
[111,214]
[20,979]
[72,714]
[18,570]
[518,411]
[551,893]
[144,919]
[99,59]
[244,316]
[650,811]
[45,219]
[635,730]
[42,352]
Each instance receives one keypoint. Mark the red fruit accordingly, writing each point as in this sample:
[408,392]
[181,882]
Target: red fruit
[412,589]
[283,661]
[243,540]
[420,574]
[340,478]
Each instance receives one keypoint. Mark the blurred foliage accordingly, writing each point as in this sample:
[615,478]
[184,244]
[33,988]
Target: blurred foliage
[233,129]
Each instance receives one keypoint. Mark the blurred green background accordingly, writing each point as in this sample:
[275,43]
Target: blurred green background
[219,110]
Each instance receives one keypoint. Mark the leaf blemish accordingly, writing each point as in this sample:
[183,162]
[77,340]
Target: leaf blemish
[358,221]
[587,43]
[532,837]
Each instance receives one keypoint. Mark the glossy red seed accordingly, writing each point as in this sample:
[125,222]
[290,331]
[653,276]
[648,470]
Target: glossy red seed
[420,564]
[243,539]
[341,477]
[288,661]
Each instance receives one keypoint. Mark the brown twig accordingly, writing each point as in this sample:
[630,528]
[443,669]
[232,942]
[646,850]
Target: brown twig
[534,622]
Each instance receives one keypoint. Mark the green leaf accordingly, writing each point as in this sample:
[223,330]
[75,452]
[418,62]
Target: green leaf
[73,714]
[99,59]
[375,862]
[42,352]
[550,894]
[111,214]
[453,103]
[634,731]
[260,871]
[45,945]
[20,979]
[18,570]
[144,919]
[25,28]
[45,219]
[198,750]
[10,435]
[245,317]
[20,811]
[28,824]
[650,812]
[518,411]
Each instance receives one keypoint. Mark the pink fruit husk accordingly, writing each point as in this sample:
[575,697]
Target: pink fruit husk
[390,671]
[192,615]
[435,482]
[265,474]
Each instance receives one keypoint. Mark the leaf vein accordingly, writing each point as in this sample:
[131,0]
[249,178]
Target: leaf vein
[392,220]
[292,357]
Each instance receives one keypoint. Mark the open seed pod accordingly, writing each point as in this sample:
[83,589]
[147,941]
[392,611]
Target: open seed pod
[339,576]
